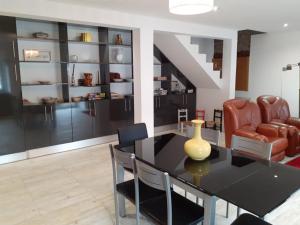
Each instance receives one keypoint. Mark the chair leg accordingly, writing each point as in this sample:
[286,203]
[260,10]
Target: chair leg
[227,210]
[116,209]
[238,212]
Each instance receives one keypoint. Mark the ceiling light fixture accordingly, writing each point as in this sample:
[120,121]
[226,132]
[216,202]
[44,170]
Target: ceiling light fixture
[190,7]
[285,25]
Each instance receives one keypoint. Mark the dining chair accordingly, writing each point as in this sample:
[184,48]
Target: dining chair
[168,209]
[250,147]
[248,219]
[128,135]
[120,161]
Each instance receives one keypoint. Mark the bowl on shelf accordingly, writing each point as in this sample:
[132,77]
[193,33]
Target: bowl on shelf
[44,82]
[76,99]
[49,100]
[118,80]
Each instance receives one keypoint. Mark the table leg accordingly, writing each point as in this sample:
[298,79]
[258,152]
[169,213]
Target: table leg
[209,209]
[121,199]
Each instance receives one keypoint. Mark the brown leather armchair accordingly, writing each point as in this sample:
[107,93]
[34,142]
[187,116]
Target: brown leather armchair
[275,110]
[243,118]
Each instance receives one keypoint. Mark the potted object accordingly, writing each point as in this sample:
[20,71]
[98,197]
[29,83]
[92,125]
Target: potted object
[197,148]
[118,39]
[88,79]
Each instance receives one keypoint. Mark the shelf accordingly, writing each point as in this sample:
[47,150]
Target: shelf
[120,63]
[120,46]
[38,39]
[121,82]
[85,62]
[86,43]
[53,84]
[51,62]
[98,85]
[162,80]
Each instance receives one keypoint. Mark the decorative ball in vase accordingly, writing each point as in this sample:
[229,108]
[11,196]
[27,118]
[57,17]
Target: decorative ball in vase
[197,148]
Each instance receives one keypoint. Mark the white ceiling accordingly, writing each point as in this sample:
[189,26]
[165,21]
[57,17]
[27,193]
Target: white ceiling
[261,15]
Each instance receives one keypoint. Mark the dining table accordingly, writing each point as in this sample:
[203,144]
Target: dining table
[255,185]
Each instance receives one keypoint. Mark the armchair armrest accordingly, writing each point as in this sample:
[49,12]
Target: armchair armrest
[250,134]
[272,130]
[294,122]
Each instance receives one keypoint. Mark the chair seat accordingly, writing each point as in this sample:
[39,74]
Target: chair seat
[184,211]
[127,189]
[247,219]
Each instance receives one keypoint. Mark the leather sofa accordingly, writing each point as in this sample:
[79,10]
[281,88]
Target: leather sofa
[275,110]
[243,118]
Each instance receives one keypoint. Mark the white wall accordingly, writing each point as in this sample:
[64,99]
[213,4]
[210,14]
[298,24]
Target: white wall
[206,46]
[268,54]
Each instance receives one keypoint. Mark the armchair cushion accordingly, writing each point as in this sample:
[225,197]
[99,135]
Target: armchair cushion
[250,134]
[271,130]
[294,122]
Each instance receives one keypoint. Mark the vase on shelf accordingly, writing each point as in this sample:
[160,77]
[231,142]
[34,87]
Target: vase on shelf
[197,148]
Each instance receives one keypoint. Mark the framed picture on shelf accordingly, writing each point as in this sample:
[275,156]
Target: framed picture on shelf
[34,55]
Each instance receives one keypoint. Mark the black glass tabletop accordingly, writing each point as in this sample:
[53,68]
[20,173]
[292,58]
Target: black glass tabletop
[255,185]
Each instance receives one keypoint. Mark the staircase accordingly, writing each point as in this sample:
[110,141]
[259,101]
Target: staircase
[186,57]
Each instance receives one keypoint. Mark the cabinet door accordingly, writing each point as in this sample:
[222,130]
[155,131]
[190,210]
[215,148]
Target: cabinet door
[11,125]
[120,114]
[82,121]
[102,124]
[161,112]
[37,129]
[191,105]
[61,123]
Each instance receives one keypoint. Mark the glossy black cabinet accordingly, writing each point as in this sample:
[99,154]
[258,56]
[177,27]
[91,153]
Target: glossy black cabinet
[60,123]
[101,113]
[11,125]
[82,120]
[121,113]
[47,125]
[37,129]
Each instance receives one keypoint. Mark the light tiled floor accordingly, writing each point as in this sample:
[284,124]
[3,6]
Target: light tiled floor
[72,188]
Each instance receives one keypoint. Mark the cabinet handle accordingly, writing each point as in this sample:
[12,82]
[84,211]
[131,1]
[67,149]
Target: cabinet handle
[16,74]
[183,99]
[129,105]
[90,112]
[125,105]
[95,108]
[45,113]
[51,109]
[14,52]
[159,102]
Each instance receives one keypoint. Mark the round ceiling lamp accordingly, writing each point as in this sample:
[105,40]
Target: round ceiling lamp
[190,7]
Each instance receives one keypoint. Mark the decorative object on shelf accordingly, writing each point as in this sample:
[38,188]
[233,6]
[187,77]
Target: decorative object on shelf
[119,55]
[118,80]
[116,95]
[44,82]
[73,58]
[160,78]
[95,96]
[118,39]
[113,76]
[33,55]
[73,76]
[190,7]
[197,169]
[190,91]
[77,99]
[197,148]
[86,37]
[160,91]
[40,35]
[49,100]
[88,79]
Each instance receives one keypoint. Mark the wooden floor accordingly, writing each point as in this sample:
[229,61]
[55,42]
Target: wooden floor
[74,188]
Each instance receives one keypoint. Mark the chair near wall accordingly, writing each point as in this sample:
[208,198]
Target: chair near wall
[248,219]
[120,161]
[275,110]
[169,209]
[243,118]
[128,135]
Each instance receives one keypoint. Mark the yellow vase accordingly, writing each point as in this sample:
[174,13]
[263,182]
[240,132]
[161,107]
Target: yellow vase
[197,148]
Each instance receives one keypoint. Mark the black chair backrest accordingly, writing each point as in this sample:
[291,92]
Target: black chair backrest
[248,219]
[128,135]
